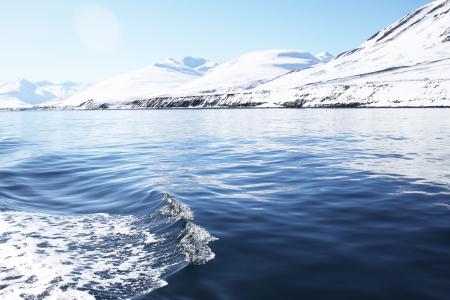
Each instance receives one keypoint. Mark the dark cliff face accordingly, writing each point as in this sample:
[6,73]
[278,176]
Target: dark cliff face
[214,101]
[427,93]
[198,101]
[446,35]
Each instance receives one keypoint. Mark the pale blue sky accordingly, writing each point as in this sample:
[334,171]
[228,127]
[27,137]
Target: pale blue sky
[92,40]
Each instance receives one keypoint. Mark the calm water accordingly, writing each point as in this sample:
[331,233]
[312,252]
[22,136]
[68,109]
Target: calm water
[225,204]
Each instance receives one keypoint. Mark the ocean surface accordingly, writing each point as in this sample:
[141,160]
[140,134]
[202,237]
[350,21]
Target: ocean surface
[225,204]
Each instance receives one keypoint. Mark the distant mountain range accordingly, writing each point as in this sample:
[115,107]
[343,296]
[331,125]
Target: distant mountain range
[404,64]
[195,75]
[189,74]
[156,79]
[250,70]
[22,93]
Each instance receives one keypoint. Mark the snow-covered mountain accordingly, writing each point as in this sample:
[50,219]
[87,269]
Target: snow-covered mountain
[23,93]
[194,75]
[419,38]
[404,64]
[152,80]
[11,103]
[249,70]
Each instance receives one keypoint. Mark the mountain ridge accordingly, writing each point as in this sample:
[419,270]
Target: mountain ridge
[189,74]
[249,70]
[24,93]
[406,63]
[145,82]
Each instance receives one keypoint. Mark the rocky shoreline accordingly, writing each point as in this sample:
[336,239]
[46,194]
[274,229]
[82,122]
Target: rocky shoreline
[408,93]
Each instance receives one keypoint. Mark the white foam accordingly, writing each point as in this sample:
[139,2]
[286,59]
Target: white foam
[177,210]
[195,244]
[57,257]
[81,256]
[195,239]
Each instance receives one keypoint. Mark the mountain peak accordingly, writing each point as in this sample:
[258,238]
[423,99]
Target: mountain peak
[20,81]
[433,12]
[193,62]
[249,70]
[18,84]
[188,65]
[413,48]
[24,92]
[325,56]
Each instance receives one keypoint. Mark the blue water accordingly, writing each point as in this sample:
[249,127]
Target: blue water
[225,204]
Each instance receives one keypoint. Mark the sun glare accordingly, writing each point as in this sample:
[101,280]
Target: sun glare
[97,27]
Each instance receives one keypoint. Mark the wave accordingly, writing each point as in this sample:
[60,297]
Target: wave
[442,204]
[47,255]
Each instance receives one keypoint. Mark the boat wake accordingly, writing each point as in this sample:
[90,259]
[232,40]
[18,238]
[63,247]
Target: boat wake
[89,256]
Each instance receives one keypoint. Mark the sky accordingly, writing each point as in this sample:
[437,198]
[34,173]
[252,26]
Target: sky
[92,40]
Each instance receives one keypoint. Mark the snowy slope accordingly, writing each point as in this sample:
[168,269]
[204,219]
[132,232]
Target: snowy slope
[249,70]
[421,38]
[11,103]
[155,79]
[405,64]
[22,93]
[57,91]
[19,93]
